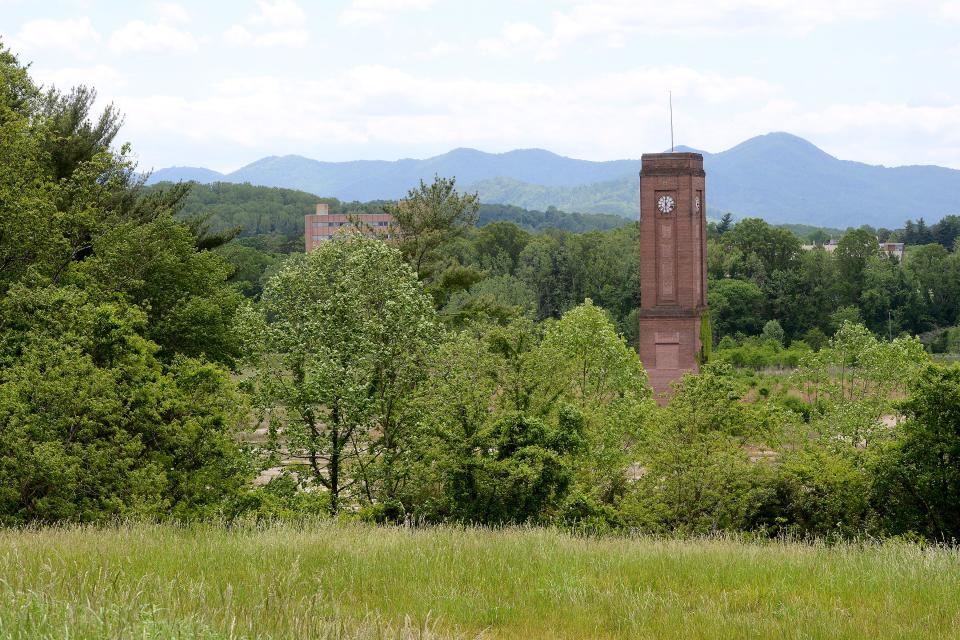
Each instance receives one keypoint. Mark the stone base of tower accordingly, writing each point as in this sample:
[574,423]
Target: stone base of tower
[669,345]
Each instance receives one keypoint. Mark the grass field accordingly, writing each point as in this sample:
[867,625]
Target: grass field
[341,581]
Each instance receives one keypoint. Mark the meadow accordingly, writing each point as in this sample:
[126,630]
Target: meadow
[327,580]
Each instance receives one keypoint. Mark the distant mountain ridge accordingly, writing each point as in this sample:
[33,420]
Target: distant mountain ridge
[777,176]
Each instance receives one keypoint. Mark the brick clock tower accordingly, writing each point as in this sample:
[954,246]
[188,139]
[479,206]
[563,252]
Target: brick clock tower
[673,266]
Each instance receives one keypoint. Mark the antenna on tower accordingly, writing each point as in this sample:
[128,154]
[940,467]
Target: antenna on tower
[671,122]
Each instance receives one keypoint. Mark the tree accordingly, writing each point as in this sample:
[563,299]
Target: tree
[499,298]
[545,269]
[93,427]
[724,225]
[819,237]
[773,332]
[853,251]
[854,378]
[75,139]
[156,265]
[919,480]
[889,302]
[735,306]
[927,266]
[495,445]
[923,235]
[584,349]
[947,231]
[498,246]
[763,249]
[429,217]
[602,376]
[519,419]
[97,420]
[696,476]
[342,337]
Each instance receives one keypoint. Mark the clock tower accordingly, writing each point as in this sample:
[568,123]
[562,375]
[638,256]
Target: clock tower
[673,266]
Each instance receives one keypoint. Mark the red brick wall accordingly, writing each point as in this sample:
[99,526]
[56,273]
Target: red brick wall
[673,274]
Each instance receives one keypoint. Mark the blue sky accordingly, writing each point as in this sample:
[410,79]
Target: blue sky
[220,84]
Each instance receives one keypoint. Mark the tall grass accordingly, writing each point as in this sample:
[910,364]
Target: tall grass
[327,580]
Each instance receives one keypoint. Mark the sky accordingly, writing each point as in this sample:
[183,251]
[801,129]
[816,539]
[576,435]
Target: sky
[220,84]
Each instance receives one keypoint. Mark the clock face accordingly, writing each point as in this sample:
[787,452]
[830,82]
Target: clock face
[665,204]
[696,203]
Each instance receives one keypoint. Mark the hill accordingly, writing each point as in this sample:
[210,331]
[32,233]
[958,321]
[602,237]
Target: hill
[778,176]
[185,174]
[379,180]
[258,210]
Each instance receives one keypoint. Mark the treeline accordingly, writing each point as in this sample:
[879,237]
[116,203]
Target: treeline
[760,273]
[450,374]
[944,232]
[251,211]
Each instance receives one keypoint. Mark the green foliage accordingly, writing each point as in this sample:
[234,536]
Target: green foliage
[515,417]
[819,492]
[157,266]
[96,427]
[500,298]
[697,477]
[919,485]
[259,211]
[340,340]
[565,269]
[735,306]
[753,249]
[761,353]
[706,338]
[856,376]
[773,332]
[111,321]
[550,218]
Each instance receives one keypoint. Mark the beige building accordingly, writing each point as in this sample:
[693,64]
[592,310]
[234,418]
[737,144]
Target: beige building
[323,225]
[894,249]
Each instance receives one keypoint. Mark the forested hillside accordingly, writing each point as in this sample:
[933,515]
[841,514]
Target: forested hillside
[254,210]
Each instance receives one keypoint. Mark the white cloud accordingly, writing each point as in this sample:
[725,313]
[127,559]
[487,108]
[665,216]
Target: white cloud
[607,116]
[279,13]
[276,24]
[75,35]
[613,22]
[172,12]
[105,78]
[950,11]
[156,37]
[515,38]
[370,12]
[375,103]
[442,49]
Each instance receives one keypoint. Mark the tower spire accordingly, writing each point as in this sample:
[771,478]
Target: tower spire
[671,121]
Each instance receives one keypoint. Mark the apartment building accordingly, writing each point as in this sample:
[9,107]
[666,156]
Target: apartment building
[323,225]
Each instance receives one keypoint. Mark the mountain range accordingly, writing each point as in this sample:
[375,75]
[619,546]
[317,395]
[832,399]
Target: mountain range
[778,176]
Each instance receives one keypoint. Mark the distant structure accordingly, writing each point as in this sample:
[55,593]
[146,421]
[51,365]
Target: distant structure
[673,266]
[890,249]
[322,225]
[894,249]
